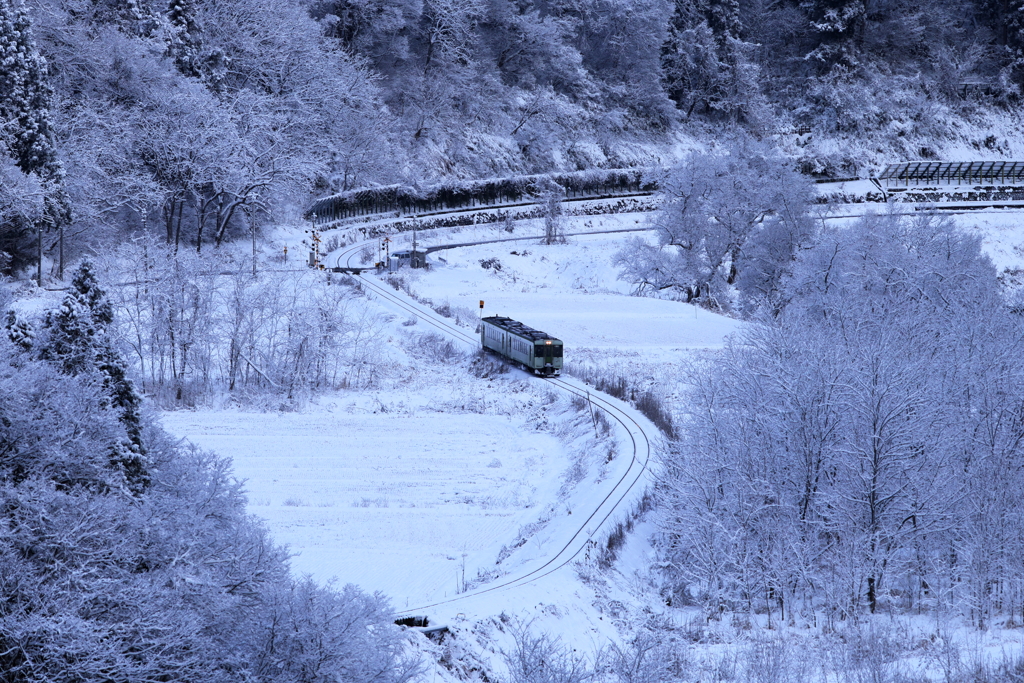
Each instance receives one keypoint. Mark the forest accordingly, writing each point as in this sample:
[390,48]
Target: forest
[200,122]
[859,450]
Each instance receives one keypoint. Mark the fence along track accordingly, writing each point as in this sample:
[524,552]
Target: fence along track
[612,501]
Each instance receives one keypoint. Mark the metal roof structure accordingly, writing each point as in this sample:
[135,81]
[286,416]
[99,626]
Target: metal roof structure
[518,328]
[953,173]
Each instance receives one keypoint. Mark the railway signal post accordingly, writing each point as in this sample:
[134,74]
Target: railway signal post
[314,252]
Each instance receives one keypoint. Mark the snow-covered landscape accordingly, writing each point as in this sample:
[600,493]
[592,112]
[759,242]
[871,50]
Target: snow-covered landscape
[511,341]
[414,489]
[420,489]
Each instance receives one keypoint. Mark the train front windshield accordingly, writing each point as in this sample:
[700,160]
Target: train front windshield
[549,351]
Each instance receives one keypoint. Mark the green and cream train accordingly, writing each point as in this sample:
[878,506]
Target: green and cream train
[537,351]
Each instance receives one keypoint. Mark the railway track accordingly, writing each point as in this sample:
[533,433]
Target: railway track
[621,491]
[627,486]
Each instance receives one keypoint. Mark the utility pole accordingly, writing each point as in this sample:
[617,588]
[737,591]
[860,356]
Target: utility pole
[39,249]
[60,262]
[252,229]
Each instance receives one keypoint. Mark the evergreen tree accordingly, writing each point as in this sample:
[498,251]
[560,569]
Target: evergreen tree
[839,27]
[723,16]
[25,120]
[76,341]
[24,94]
[704,65]
[19,332]
[186,43]
[130,16]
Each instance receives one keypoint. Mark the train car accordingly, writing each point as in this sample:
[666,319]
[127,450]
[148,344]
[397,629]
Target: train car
[538,351]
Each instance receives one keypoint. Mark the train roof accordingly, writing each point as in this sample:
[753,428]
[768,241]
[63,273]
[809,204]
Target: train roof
[518,328]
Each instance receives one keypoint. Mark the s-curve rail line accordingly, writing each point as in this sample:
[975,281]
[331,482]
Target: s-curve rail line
[625,486]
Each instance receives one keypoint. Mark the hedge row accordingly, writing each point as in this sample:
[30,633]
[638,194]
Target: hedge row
[405,200]
[928,196]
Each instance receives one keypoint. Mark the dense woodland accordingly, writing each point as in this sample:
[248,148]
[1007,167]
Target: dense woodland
[196,120]
[862,449]
[128,556]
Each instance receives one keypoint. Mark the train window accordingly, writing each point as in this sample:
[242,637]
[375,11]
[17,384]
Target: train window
[556,351]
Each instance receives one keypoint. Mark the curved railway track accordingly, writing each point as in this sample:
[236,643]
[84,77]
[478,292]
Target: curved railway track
[627,485]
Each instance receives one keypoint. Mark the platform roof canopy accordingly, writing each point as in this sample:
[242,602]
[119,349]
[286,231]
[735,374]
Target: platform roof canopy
[954,173]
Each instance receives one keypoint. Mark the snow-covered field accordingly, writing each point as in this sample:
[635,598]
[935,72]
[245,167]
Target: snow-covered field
[414,489]
[571,290]
[398,502]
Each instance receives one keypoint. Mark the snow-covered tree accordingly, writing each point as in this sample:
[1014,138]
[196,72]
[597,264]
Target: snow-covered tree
[19,331]
[1007,19]
[187,39]
[621,50]
[24,93]
[839,26]
[840,455]
[176,584]
[739,210]
[76,340]
[21,207]
[25,126]
[706,63]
